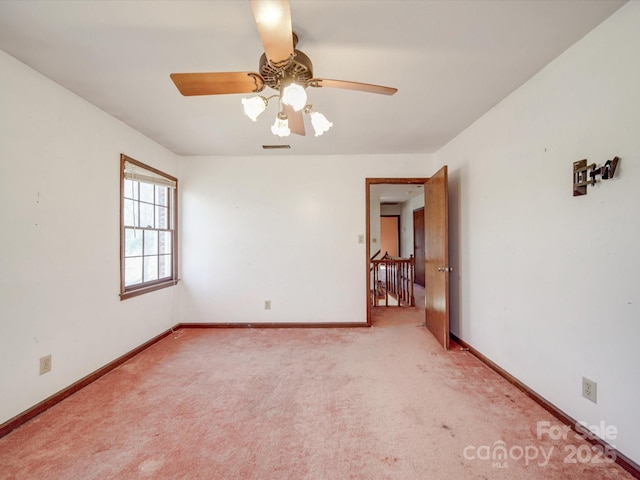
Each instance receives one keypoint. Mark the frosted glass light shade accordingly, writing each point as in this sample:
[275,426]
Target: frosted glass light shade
[320,123]
[254,106]
[281,126]
[294,96]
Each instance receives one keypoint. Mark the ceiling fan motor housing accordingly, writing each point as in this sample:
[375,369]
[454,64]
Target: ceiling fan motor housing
[299,69]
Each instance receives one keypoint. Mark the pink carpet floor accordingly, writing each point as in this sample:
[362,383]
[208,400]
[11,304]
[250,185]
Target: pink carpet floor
[267,404]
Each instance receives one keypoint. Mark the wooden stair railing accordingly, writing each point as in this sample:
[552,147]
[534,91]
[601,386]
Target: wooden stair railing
[396,282]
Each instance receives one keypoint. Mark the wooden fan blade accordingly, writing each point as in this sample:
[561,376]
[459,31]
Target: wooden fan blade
[296,122]
[273,19]
[363,87]
[218,83]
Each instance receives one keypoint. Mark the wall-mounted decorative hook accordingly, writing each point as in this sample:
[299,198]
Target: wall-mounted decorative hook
[584,174]
[606,171]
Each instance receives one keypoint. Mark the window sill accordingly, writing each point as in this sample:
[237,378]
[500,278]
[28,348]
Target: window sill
[151,288]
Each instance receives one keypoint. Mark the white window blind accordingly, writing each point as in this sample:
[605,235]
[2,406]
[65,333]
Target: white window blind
[140,174]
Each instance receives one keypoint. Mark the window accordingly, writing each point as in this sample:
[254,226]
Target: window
[148,229]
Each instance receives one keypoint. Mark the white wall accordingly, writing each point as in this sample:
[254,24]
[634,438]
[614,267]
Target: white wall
[279,228]
[59,255]
[406,223]
[547,285]
[375,210]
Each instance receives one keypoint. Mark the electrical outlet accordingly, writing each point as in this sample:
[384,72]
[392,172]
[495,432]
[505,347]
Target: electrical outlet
[267,304]
[590,389]
[45,364]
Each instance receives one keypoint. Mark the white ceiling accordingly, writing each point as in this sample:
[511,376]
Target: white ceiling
[395,193]
[450,60]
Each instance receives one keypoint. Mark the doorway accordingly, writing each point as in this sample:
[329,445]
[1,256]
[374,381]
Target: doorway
[385,198]
[435,227]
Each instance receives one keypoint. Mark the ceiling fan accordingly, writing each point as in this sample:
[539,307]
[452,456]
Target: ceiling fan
[282,67]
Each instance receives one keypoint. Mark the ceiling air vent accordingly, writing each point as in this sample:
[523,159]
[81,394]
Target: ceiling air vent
[275,147]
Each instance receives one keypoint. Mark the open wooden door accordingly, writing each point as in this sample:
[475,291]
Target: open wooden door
[390,235]
[436,221]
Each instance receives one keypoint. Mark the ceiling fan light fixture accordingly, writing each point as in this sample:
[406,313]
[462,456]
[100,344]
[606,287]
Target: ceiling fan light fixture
[318,121]
[282,67]
[294,96]
[254,106]
[281,126]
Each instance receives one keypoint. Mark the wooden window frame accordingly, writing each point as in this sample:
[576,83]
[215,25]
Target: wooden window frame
[153,285]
